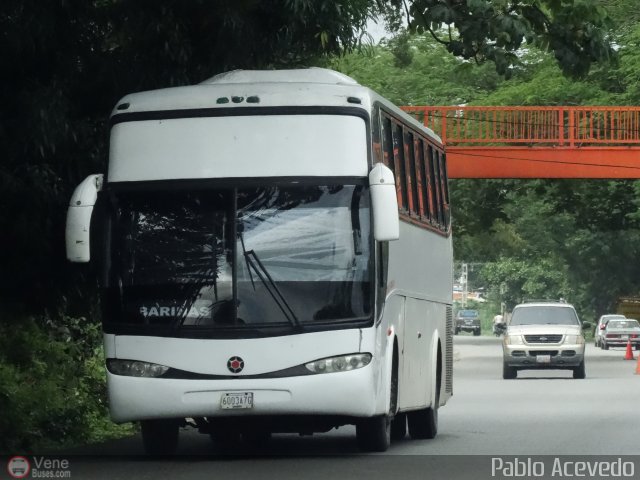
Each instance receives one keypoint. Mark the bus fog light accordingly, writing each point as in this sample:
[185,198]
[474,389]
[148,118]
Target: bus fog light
[342,363]
[135,368]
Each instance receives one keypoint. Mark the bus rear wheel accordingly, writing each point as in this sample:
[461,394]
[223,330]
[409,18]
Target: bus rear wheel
[160,437]
[423,424]
[399,427]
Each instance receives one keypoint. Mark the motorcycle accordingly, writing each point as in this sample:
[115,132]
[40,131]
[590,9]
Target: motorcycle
[499,329]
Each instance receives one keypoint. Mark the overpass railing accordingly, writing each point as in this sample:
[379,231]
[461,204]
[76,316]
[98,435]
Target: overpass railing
[532,126]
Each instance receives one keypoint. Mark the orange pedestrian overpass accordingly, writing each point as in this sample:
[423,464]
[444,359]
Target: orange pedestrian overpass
[537,142]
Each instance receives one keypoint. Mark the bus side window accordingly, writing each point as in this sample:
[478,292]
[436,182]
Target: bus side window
[376,137]
[421,185]
[431,185]
[387,143]
[412,181]
[445,191]
[438,185]
[400,170]
[383,267]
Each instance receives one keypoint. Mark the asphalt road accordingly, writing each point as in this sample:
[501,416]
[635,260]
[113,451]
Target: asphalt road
[539,413]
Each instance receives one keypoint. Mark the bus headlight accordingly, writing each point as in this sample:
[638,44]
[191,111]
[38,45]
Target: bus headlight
[342,363]
[135,368]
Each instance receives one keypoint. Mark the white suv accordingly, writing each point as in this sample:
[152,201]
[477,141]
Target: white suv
[544,335]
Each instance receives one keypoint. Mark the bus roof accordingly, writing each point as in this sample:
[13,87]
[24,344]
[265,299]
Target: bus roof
[301,75]
[265,88]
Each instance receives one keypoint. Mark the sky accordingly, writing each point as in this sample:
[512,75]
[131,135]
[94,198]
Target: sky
[376,30]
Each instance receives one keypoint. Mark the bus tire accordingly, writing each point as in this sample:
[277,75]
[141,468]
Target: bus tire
[374,434]
[399,427]
[423,424]
[160,437]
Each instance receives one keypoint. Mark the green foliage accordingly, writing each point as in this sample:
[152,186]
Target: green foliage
[52,388]
[576,239]
[525,280]
[542,83]
[626,75]
[575,31]
[416,70]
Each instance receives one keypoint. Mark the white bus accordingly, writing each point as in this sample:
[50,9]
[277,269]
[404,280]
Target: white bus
[275,256]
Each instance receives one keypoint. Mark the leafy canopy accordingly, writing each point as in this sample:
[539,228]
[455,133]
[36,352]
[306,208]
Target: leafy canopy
[494,30]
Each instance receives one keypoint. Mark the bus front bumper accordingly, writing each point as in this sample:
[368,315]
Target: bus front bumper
[352,393]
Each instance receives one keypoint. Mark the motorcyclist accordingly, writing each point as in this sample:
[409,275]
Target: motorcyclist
[499,325]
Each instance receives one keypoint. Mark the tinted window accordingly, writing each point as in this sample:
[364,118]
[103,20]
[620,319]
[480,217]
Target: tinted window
[544,315]
[240,257]
[400,172]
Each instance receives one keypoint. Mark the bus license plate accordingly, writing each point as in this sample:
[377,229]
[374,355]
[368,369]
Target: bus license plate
[230,401]
[543,358]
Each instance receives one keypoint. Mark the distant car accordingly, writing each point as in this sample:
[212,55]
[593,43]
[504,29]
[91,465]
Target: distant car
[621,331]
[544,335]
[468,321]
[602,324]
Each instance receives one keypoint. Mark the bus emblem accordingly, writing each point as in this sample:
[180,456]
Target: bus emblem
[235,364]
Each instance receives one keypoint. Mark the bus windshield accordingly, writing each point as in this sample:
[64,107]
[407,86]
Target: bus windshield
[241,257]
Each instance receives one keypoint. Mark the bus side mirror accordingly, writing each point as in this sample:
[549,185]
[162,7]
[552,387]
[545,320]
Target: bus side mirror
[79,218]
[384,203]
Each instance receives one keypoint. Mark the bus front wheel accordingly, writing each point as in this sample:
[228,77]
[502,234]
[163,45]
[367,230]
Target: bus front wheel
[374,434]
[160,437]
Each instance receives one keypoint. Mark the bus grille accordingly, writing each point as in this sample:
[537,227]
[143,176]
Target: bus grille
[449,352]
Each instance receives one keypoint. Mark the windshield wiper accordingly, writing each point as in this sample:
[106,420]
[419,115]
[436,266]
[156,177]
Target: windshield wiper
[253,262]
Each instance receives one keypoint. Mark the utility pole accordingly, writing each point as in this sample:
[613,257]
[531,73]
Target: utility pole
[463,281]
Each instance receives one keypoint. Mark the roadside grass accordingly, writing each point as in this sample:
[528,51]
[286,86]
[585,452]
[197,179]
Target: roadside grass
[53,385]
